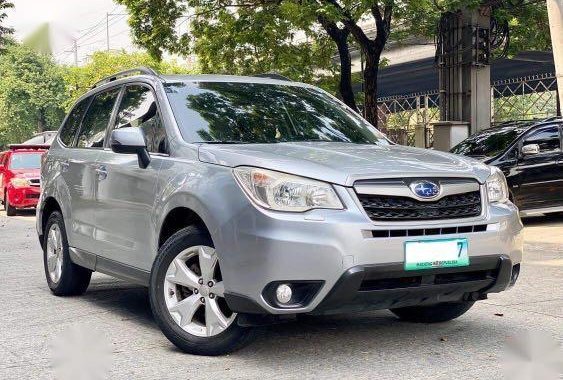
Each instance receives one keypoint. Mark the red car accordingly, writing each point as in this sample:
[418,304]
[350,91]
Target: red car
[20,176]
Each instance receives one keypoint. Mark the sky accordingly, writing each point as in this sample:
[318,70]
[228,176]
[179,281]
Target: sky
[84,20]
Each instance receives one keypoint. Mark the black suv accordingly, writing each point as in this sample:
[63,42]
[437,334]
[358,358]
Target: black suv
[531,157]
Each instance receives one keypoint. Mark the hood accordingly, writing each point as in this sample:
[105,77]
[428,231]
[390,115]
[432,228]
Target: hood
[26,173]
[343,163]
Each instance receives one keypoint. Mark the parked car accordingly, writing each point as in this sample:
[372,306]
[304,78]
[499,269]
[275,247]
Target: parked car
[240,201]
[20,176]
[530,155]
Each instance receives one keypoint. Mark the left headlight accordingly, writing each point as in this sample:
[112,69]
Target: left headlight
[20,182]
[285,192]
[497,189]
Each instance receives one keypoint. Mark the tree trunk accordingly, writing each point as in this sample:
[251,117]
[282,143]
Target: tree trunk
[345,84]
[41,123]
[370,85]
[340,38]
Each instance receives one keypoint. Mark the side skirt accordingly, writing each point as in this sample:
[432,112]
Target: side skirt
[110,267]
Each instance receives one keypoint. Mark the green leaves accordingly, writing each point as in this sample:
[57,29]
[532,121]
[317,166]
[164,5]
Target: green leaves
[31,94]
[102,64]
[4,31]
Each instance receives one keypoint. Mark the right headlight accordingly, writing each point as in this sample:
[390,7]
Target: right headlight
[497,189]
[285,192]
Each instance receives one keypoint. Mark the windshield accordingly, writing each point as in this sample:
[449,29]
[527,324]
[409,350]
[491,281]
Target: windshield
[264,113]
[488,143]
[26,161]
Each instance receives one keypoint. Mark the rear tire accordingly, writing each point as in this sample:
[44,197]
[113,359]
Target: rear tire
[64,277]
[187,298]
[10,210]
[441,312]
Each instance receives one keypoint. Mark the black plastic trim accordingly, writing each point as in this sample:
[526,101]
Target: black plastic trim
[347,295]
[243,304]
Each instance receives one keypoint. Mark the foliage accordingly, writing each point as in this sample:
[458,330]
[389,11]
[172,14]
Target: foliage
[31,94]
[102,64]
[4,31]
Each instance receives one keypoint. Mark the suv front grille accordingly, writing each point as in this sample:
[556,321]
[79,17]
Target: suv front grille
[396,208]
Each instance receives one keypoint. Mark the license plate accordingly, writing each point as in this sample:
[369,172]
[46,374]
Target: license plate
[429,254]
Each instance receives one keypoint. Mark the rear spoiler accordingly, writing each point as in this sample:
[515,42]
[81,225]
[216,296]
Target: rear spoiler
[28,146]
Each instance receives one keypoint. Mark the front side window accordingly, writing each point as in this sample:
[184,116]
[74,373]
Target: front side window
[72,123]
[264,113]
[546,138]
[93,130]
[25,161]
[138,109]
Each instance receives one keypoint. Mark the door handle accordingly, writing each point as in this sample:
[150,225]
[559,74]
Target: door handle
[64,166]
[101,172]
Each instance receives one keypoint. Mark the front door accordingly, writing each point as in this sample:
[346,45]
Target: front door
[540,177]
[126,192]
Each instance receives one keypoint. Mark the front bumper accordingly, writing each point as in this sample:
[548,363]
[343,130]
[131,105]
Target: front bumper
[259,247]
[23,197]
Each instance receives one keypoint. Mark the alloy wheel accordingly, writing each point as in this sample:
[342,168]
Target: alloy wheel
[194,292]
[54,253]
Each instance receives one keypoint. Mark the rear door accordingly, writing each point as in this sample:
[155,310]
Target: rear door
[540,176]
[126,192]
[80,170]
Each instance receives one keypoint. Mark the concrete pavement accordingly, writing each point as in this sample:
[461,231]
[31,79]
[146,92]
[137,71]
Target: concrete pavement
[113,319]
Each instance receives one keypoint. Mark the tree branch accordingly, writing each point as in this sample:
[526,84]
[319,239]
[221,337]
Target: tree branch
[351,24]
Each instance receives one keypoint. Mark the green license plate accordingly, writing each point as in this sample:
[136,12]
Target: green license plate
[442,253]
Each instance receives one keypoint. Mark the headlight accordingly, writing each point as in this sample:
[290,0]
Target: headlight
[20,182]
[285,192]
[497,189]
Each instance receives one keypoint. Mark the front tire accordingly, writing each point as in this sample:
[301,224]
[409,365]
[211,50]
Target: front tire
[63,276]
[10,210]
[187,296]
[441,312]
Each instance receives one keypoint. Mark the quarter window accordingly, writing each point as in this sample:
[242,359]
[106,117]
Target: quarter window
[546,138]
[72,123]
[93,131]
[138,109]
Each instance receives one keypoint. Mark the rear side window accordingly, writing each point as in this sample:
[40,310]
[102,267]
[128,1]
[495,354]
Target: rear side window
[546,138]
[138,109]
[72,123]
[93,131]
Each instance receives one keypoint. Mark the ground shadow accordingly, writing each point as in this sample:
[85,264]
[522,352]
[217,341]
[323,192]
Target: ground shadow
[327,338]
[541,220]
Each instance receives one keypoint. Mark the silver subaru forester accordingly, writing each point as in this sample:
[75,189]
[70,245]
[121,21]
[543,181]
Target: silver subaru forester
[240,201]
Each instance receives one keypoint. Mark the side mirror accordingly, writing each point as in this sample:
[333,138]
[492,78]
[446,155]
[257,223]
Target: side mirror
[530,149]
[131,140]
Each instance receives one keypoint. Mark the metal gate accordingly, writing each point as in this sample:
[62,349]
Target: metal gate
[526,98]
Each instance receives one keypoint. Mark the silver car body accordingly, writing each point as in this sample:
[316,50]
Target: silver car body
[114,210]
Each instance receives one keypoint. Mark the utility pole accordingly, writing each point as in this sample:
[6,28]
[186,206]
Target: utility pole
[107,31]
[75,49]
[555,16]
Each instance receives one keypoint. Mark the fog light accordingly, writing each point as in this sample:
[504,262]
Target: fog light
[283,293]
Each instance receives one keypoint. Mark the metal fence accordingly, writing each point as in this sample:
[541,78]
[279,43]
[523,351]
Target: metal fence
[513,99]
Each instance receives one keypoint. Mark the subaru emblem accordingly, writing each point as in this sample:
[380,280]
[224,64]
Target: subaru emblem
[425,189]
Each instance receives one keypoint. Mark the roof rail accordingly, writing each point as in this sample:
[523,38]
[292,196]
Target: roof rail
[127,73]
[272,76]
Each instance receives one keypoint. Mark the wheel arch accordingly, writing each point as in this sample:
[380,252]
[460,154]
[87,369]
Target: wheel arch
[176,219]
[50,205]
